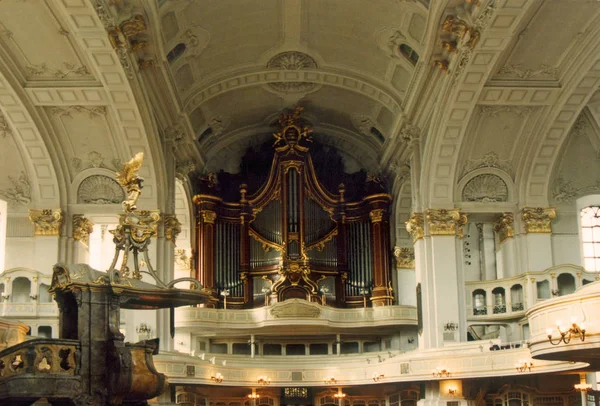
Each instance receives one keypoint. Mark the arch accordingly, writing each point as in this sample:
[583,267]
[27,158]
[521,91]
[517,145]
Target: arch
[516,297]
[479,173]
[566,284]
[293,292]
[21,290]
[84,176]
[543,289]
[499,300]
[537,174]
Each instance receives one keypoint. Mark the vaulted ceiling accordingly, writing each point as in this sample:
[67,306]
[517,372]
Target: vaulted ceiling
[85,84]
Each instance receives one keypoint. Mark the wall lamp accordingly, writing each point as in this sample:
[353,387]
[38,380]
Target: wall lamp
[263,380]
[377,376]
[144,329]
[218,378]
[339,395]
[441,372]
[253,396]
[566,334]
[452,391]
[582,387]
[524,365]
[451,326]
[330,381]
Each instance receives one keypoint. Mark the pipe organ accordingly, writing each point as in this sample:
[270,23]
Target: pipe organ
[292,237]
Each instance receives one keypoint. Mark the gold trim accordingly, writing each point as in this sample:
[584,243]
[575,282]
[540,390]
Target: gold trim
[266,244]
[538,219]
[319,245]
[376,215]
[208,216]
[172,227]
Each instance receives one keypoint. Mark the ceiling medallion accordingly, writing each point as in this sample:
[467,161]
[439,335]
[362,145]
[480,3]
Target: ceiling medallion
[292,60]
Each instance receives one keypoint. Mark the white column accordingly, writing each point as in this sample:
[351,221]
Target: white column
[252,346]
[489,251]
[3,221]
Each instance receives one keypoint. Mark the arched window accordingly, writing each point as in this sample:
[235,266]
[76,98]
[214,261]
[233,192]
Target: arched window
[516,296]
[176,52]
[409,53]
[590,237]
[479,305]
[499,300]
[43,295]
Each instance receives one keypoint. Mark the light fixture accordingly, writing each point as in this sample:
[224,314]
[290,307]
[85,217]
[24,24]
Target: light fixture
[377,376]
[441,372]
[218,378]
[263,380]
[450,326]
[582,387]
[330,381]
[566,334]
[253,396]
[452,391]
[225,293]
[324,290]
[339,395]
[524,365]
[144,329]
[364,293]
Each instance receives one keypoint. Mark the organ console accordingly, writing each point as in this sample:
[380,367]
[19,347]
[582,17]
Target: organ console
[281,230]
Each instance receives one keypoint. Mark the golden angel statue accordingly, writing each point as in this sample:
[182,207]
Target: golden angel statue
[129,179]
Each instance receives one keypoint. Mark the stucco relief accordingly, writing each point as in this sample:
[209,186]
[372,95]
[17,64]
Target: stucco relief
[19,194]
[99,189]
[292,60]
[485,188]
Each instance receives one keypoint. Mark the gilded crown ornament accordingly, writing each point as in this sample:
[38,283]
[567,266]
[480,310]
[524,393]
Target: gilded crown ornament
[291,134]
[538,219]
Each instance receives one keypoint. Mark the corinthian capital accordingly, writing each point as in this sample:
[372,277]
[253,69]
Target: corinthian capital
[414,226]
[446,222]
[504,226]
[46,221]
[538,219]
[82,227]
[405,257]
[172,227]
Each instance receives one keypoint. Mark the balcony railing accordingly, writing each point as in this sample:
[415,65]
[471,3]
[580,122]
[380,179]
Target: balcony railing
[29,309]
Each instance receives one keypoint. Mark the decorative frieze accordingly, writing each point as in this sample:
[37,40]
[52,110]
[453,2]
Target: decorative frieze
[504,226]
[538,219]
[446,222]
[414,226]
[172,227]
[82,227]
[20,192]
[46,221]
[405,257]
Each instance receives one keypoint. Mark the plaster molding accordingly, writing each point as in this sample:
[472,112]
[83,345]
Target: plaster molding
[504,227]
[405,257]
[82,228]
[20,192]
[414,226]
[485,188]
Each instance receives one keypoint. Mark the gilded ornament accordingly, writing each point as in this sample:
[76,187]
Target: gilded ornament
[442,65]
[504,226]
[46,221]
[208,216]
[291,134]
[133,26]
[376,215]
[446,222]
[129,179]
[405,258]
[172,227]
[538,219]
[82,227]
[414,226]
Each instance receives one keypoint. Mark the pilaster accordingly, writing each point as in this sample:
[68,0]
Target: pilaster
[538,236]
[47,229]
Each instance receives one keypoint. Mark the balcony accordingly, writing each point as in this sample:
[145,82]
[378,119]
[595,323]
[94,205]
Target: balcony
[28,310]
[296,313]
